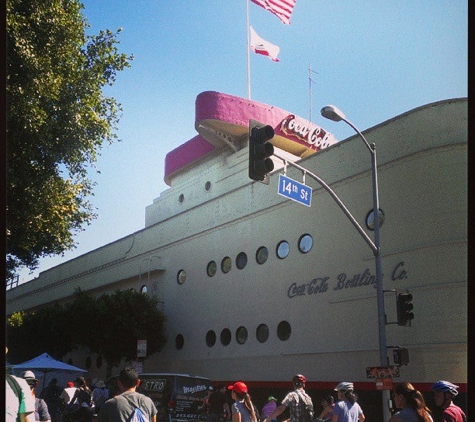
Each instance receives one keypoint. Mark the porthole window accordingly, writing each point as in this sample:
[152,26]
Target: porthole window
[143,289]
[181,276]
[181,198]
[210,338]
[241,260]
[283,249]
[262,254]
[208,186]
[88,362]
[226,265]
[99,362]
[225,337]
[370,219]
[305,243]
[262,333]
[283,330]
[211,268]
[241,335]
[179,341]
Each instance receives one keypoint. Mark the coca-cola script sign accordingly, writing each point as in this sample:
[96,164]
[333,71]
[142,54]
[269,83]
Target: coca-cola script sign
[303,130]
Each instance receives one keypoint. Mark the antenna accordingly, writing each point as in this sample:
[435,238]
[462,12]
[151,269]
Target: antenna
[310,80]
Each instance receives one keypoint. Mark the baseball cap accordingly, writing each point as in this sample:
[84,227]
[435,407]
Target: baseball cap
[238,387]
[271,398]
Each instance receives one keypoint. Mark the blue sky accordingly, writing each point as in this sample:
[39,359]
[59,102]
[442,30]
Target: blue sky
[375,59]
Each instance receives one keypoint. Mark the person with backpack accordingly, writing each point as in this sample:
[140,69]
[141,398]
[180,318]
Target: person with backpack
[298,401]
[82,398]
[347,409]
[444,392]
[128,406]
[19,403]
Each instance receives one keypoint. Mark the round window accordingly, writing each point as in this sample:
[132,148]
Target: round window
[241,335]
[181,276]
[211,268]
[283,249]
[283,330]
[210,338]
[262,333]
[226,265]
[225,337]
[305,243]
[262,254]
[370,219]
[143,289]
[179,342]
[241,260]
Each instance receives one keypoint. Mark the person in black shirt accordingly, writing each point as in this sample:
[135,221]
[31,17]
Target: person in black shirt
[218,405]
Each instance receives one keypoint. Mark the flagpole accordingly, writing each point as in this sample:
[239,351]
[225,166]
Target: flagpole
[310,93]
[248,53]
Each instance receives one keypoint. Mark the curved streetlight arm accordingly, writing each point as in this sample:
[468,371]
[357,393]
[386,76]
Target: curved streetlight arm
[340,203]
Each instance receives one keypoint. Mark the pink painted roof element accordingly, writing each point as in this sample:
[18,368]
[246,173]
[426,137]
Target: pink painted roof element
[222,121]
[186,154]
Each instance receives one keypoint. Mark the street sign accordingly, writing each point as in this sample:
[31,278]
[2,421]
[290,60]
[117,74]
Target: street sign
[294,190]
[141,348]
[379,372]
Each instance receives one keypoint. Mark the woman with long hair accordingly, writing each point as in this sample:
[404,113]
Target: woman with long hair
[242,409]
[347,409]
[412,404]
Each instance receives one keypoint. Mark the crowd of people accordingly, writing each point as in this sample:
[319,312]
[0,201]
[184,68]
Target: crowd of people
[77,402]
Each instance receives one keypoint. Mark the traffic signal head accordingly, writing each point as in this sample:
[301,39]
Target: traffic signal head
[260,150]
[401,356]
[404,309]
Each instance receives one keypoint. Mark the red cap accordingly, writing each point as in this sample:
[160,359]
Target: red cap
[238,387]
[70,384]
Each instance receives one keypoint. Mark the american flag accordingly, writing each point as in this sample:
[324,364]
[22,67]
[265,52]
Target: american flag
[281,8]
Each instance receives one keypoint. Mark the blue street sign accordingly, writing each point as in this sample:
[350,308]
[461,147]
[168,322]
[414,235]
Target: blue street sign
[294,190]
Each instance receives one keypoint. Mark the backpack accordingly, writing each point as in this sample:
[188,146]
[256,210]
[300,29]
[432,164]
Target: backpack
[306,409]
[137,416]
[16,390]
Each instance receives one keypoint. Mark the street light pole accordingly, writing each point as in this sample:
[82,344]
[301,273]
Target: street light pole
[333,113]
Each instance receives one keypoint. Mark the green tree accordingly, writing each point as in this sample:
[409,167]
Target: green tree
[57,121]
[109,325]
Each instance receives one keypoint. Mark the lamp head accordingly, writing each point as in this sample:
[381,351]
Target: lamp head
[332,113]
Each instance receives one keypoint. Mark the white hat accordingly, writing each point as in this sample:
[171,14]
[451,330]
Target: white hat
[30,378]
[344,386]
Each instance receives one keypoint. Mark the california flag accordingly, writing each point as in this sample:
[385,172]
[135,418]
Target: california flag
[260,46]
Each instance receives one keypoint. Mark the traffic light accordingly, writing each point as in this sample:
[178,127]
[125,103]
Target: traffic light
[401,356]
[404,308]
[260,150]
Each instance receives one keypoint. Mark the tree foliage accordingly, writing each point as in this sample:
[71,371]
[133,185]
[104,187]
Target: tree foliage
[57,121]
[109,325]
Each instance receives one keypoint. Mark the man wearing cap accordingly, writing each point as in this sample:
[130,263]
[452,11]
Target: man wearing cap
[41,408]
[269,407]
[100,395]
[444,392]
[68,393]
[293,401]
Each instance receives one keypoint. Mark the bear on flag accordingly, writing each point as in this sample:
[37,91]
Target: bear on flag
[260,46]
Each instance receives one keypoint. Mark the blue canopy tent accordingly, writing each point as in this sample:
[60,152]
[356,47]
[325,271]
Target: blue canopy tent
[46,368]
